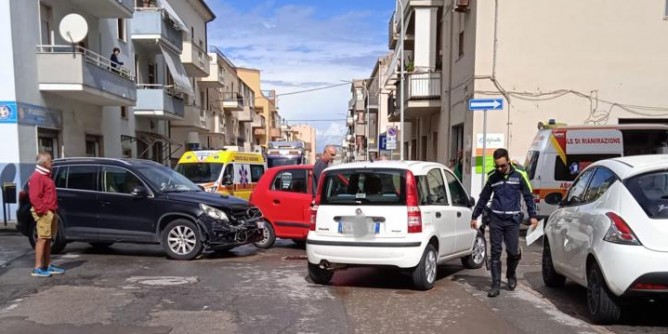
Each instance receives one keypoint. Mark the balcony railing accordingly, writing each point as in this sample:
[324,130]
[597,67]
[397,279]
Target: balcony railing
[90,57]
[423,86]
[150,22]
[195,59]
[159,101]
[232,100]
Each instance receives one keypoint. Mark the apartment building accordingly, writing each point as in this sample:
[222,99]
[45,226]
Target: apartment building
[569,66]
[265,105]
[306,134]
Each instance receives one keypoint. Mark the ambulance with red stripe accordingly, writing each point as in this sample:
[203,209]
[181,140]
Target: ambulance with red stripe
[558,153]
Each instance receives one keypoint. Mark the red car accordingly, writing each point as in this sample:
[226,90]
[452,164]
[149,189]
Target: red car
[284,194]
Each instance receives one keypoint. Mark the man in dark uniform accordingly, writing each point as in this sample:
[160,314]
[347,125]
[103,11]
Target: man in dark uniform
[508,185]
[325,160]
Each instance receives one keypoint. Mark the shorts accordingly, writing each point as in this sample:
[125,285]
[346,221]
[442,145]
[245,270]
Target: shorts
[47,224]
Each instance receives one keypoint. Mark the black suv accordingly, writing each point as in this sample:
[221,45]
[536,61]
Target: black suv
[104,200]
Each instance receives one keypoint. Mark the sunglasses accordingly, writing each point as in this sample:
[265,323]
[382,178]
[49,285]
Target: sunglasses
[501,166]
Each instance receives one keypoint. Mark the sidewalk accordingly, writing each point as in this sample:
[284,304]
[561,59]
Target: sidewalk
[9,228]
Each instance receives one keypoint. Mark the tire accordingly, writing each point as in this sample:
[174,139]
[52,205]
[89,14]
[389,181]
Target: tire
[319,275]
[300,243]
[477,257]
[181,240]
[57,244]
[269,237]
[602,304]
[550,276]
[101,245]
[424,275]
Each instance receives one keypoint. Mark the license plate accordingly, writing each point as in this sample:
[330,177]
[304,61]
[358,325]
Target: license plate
[358,228]
[260,224]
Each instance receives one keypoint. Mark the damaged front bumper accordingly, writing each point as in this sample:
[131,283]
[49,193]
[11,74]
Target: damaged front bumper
[226,234]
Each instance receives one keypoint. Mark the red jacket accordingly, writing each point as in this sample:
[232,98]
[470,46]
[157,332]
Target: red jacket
[42,191]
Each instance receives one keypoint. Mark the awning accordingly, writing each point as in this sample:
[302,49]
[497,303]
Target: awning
[172,14]
[178,72]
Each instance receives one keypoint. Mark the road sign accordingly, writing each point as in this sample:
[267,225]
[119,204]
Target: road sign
[391,140]
[392,132]
[382,142]
[485,104]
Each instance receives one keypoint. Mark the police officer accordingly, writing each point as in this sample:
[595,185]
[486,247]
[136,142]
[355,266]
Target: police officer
[508,185]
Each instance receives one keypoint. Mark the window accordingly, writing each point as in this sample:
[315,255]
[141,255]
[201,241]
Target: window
[665,12]
[600,182]
[369,186]
[228,175]
[460,52]
[531,163]
[291,181]
[119,180]
[650,190]
[577,191]
[200,172]
[457,192]
[256,172]
[151,73]
[423,189]
[576,163]
[120,31]
[60,177]
[124,113]
[437,193]
[46,24]
[93,146]
[82,177]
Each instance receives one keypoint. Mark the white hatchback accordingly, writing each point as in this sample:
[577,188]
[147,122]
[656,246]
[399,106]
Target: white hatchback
[407,215]
[611,234]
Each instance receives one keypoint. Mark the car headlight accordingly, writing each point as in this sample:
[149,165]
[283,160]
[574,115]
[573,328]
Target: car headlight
[213,212]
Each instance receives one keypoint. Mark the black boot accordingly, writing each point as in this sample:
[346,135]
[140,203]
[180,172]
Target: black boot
[496,279]
[511,275]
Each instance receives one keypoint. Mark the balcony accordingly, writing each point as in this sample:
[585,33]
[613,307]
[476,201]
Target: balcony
[233,101]
[195,59]
[80,74]
[195,119]
[158,101]
[106,8]
[274,133]
[154,24]
[258,121]
[244,115]
[259,132]
[360,129]
[216,77]
[423,94]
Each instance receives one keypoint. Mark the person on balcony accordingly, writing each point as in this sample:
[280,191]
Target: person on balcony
[115,63]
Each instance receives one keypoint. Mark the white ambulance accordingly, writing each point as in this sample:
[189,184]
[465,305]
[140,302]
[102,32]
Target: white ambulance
[558,154]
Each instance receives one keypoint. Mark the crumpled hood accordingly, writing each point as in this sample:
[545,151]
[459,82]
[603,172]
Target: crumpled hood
[212,199]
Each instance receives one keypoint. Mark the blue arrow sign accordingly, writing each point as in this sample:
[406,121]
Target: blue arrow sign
[485,104]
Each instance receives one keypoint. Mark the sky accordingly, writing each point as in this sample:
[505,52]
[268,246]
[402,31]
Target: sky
[304,44]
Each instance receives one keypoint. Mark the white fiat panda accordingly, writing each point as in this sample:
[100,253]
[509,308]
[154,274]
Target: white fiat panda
[407,215]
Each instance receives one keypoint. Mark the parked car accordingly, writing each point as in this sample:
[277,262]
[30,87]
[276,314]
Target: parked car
[284,194]
[407,215]
[103,201]
[609,235]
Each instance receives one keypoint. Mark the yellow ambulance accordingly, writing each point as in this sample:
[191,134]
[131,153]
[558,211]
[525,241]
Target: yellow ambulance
[226,172]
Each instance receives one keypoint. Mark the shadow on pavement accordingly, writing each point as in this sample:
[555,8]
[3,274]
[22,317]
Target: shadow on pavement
[384,278]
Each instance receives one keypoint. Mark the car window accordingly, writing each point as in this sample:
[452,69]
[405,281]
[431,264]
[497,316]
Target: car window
[423,189]
[201,172]
[577,191]
[291,180]
[650,190]
[531,163]
[365,186]
[575,163]
[82,177]
[457,192]
[165,179]
[437,192]
[228,174]
[60,176]
[119,180]
[600,182]
[256,172]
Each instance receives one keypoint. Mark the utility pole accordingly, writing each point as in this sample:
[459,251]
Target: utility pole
[401,83]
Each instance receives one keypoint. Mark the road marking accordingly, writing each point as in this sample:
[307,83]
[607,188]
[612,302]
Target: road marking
[162,280]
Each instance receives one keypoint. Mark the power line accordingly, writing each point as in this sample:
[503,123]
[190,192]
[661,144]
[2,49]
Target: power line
[313,89]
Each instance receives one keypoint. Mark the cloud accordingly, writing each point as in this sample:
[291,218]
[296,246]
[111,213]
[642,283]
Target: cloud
[299,47]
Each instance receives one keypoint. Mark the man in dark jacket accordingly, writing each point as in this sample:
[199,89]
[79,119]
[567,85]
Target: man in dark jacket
[114,59]
[325,159]
[42,193]
[508,185]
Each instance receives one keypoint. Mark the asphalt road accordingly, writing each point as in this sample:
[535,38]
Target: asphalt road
[135,289]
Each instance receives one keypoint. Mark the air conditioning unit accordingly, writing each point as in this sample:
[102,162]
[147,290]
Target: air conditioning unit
[462,6]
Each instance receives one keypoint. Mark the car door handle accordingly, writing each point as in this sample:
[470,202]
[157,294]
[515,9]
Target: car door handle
[459,214]
[105,203]
[438,215]
[277,201]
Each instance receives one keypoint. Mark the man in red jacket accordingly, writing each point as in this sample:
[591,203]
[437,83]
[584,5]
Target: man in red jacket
[42,191]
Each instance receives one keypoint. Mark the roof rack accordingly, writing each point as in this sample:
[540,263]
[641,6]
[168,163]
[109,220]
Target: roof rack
[123,161]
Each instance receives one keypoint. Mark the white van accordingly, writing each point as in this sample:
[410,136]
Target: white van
[558,154]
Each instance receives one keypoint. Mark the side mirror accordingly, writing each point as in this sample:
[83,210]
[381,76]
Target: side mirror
[201,187]
[471,201]
[227,180]
[139,192]
[554,198]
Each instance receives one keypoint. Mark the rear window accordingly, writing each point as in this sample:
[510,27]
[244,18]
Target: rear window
[366,186]
[575,163]
[651,192]
[530,163]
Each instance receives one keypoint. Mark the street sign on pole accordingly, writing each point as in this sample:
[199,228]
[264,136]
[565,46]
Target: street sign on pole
[484,105]
[391,140]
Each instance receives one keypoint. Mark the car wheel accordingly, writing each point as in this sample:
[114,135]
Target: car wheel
[602,304]
[57,244]
[268,238]
[101,245]
[550,276]
[181,240]
[319,275]
[424,274]
[300,243]
[477,257]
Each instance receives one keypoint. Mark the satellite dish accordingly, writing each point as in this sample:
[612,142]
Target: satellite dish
[73,28]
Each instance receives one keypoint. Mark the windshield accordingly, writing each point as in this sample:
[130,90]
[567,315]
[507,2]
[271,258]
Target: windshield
[374,187]
[651,192]
[166,179]
[200,172]
[274,162]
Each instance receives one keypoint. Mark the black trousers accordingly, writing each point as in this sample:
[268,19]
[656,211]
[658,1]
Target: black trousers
[504,229]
